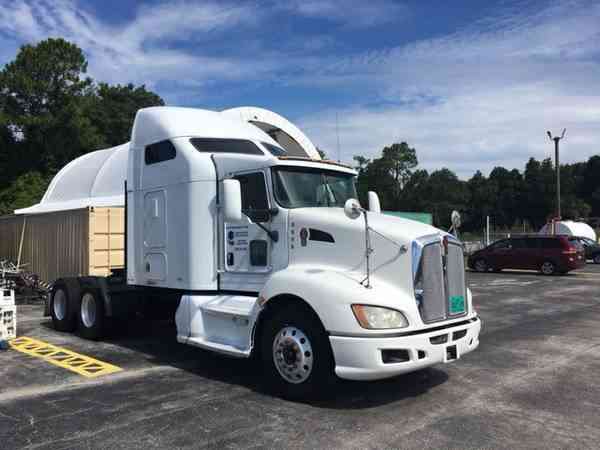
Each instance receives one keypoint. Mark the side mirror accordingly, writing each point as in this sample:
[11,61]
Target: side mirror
[232,201]
[352,208]
[374,205]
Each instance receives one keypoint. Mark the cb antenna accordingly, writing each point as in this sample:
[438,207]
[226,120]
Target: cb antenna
[337,133]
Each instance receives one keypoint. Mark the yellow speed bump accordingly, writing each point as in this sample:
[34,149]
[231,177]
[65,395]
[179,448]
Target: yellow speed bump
[61,357]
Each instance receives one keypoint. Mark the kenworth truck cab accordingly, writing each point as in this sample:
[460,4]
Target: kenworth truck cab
[262,254]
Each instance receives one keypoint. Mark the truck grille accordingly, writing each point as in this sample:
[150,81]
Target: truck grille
[439,279]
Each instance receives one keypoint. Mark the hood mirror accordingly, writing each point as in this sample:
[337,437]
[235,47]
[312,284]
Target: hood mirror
[352,208]
[374,205]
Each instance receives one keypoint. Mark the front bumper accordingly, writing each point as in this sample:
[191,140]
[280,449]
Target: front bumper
[360,358]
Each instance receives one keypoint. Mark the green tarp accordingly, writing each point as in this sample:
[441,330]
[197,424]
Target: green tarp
[418,216]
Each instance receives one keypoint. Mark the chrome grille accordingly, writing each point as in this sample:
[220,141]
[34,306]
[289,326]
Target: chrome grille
[455,274]
[438,277]
[433,305]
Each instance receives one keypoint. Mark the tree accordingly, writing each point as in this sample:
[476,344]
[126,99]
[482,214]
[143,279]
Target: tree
[362,182]
[446,193]
[506,187]
[415,195]
[25,191]
[115,107]
[43,95]
[42,78]
[539,192]
[378,179]
[590,186]
[400,160]
[482,194]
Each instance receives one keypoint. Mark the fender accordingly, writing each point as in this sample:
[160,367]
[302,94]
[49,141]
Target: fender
[330,294]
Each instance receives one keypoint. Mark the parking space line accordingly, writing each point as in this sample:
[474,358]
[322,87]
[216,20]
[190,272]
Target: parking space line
[61,357]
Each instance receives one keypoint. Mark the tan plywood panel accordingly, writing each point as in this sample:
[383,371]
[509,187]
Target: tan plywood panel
[107,239]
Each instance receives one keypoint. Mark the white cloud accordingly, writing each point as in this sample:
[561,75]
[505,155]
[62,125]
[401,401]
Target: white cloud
[479,98]
[350,13]
[143,50]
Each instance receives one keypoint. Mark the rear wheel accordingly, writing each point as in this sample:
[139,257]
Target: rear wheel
[481,265]
[296,354]
[90,323]
[597,258]
[63,318]
[548,268]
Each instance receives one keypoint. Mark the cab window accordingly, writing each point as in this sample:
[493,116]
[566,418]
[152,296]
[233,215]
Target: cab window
[255,203]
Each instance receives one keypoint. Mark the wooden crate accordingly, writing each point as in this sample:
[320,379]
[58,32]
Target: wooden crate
[86,241]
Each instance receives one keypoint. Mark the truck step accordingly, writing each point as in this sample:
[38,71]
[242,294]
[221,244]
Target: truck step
[230,305]
[215,346]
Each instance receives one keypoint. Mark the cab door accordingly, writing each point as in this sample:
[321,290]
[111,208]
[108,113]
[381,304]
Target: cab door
[247,245]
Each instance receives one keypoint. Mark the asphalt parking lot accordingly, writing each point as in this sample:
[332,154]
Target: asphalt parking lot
[533,383]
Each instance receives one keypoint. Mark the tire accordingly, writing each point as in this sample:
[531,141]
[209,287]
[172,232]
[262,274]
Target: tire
[480,265]
[63,318]
[90,317]
[296,355]
[548,268]
[596,258]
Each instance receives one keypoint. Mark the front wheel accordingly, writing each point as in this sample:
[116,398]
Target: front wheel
[597,258]
[296,354]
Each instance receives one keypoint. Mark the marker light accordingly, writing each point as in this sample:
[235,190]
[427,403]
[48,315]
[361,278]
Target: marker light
[378,318]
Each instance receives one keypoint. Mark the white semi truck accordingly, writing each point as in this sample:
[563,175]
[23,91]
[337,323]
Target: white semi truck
[263,254]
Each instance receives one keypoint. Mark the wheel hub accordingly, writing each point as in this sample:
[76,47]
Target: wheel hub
[88,310]
[293,355]
[60,304]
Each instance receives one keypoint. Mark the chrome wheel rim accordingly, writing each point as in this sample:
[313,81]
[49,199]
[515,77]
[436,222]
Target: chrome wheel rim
[547,268]
[480,265]
[293,355]
[59,304]
[88,310]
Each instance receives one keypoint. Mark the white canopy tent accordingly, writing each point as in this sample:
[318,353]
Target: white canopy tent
[288,135]
[97,178]
[94,179]
[570,228]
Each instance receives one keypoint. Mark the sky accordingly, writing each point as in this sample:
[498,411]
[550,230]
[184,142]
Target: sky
[470,84]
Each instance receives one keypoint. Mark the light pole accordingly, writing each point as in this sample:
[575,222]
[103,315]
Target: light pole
[556,139]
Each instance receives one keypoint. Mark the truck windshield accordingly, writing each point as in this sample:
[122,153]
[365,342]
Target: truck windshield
[301,187]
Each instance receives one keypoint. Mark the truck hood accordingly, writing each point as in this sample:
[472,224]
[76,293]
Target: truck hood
[326,238]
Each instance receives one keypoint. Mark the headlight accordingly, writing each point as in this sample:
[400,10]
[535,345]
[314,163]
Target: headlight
[377,317]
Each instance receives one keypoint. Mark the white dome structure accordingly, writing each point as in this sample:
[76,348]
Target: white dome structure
[94,179]
[570,228]
[288,135]
[97,178]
